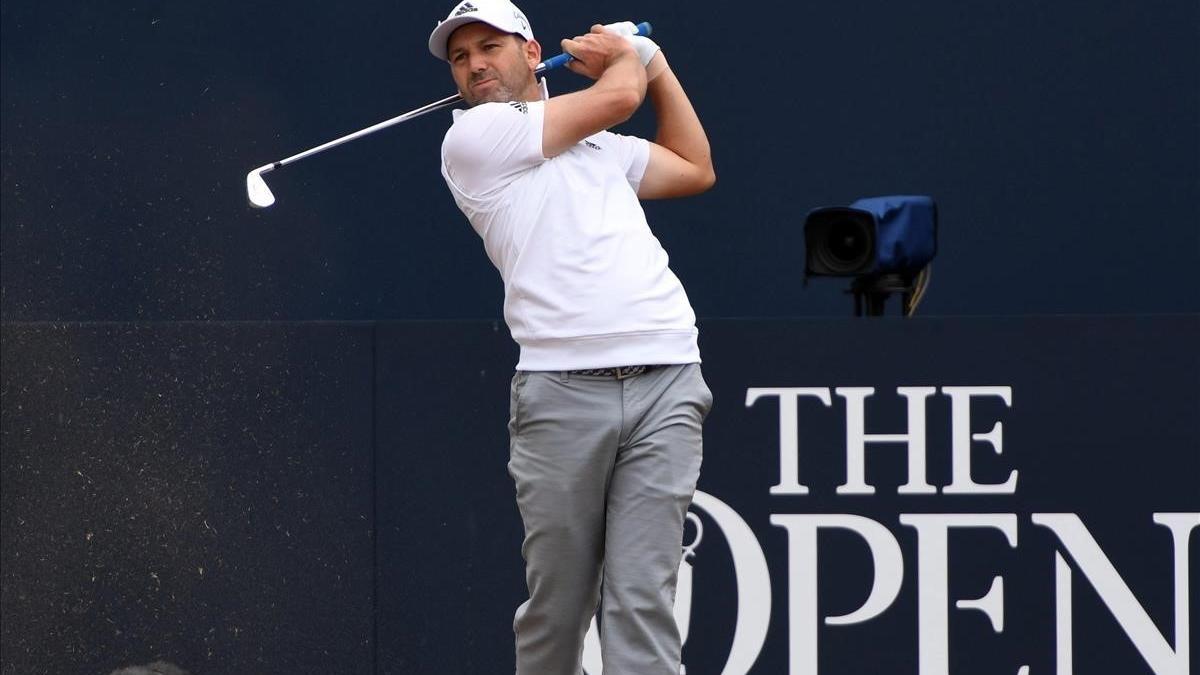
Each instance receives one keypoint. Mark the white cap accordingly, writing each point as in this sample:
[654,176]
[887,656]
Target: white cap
[500,14]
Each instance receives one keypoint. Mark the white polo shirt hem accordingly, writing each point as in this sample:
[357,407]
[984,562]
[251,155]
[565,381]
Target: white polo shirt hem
[657,348]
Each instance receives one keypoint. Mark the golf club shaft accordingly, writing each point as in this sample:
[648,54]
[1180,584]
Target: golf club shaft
[548,64]
[436,105]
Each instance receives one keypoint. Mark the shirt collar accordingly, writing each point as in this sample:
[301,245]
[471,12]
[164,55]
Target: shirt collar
[457,112]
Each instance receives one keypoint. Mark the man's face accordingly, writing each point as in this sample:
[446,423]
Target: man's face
[491,65]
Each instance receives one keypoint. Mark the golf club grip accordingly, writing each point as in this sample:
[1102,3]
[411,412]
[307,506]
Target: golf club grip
[553,62]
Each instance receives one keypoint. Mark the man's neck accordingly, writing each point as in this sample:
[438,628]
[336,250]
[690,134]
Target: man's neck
[536,91]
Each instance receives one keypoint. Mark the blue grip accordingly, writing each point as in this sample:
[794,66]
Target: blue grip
[553,62]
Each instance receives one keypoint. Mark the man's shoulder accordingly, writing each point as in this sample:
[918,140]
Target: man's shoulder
[490,144]
[520,106]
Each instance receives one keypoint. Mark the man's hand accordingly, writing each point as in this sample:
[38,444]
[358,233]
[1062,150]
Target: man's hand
[648,52]
[596,51]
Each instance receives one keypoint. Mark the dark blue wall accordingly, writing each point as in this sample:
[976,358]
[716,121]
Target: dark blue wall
[1060,138]
[198,493]
[311,498]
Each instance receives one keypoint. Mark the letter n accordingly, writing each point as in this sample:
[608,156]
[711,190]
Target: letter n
[1115,593]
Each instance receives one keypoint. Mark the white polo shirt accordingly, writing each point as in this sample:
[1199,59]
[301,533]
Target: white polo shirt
[586,283]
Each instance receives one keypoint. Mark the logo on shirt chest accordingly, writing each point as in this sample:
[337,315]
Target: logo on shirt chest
[592,145]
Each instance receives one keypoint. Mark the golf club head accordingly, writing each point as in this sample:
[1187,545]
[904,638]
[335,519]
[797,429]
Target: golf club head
[256,188]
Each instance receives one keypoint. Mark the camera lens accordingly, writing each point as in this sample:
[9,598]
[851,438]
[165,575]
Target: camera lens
[846,246]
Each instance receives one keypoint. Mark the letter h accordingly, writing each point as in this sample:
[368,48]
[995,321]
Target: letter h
[857,439]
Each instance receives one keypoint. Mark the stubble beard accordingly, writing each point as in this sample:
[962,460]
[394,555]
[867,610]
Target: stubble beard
[499,93]
[503,91]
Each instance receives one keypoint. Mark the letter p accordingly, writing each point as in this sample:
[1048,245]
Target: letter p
[802,579]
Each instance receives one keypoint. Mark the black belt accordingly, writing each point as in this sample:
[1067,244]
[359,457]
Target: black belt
[620,372]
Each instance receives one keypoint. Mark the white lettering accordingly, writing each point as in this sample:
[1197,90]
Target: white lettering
[1063,622]
[1120,600]
[933,582]
[961,438]
[802,579]
[789,438]
[857,439]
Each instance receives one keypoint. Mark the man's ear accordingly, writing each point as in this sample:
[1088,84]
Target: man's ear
[533,53]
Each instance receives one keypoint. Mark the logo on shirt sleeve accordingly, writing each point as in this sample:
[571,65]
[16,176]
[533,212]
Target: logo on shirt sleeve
[592,145]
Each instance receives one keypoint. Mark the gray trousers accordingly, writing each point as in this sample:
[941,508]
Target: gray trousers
[605,470]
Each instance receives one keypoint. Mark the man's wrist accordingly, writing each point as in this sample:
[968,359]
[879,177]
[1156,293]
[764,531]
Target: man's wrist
[646,48]
[657,66]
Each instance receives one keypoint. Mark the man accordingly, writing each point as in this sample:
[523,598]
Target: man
[608,400]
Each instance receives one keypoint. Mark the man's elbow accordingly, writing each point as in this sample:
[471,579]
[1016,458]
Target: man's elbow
[694,183]
[703,180]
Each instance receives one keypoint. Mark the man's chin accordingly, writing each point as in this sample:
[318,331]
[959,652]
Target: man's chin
[495,96]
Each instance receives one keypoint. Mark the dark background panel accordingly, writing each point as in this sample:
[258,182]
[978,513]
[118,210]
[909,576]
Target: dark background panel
[197,493]
[1060,140]
[450,569]
[203,493]
[1103,424]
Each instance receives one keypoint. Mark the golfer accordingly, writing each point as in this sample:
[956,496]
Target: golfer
[608,400]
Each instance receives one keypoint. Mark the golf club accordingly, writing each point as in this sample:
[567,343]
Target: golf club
[260,195]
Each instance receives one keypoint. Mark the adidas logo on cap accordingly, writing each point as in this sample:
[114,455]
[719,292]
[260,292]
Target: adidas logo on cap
[466,8]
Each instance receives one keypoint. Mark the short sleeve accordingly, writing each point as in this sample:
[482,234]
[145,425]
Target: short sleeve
[491,144]
[632,155]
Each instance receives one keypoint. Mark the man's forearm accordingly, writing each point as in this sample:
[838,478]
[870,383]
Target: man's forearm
[679,128]
[624,74]
[619,89]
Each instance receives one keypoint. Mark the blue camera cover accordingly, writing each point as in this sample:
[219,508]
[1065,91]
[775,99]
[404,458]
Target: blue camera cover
[906,228]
